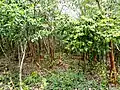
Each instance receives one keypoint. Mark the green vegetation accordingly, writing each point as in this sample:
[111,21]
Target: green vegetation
[66,80]
[59,44]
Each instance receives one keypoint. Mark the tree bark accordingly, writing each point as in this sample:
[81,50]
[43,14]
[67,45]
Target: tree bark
[113,72]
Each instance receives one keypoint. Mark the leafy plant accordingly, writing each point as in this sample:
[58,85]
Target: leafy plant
[71,80]
[35,80]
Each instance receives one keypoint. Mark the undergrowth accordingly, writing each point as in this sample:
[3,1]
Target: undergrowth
[68,80]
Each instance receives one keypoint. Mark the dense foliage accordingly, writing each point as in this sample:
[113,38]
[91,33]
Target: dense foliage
[61,42]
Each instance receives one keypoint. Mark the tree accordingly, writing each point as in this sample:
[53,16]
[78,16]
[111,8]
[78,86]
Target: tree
[95,31]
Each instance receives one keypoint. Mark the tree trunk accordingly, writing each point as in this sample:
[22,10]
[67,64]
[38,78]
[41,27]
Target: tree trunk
[51,48]
[113,72]
[23,51]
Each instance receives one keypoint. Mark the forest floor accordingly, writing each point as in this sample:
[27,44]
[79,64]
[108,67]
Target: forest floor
[96,71]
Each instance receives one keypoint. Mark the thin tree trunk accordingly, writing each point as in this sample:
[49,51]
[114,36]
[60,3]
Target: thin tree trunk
[4,53]
[51,49]
[113,72]
[40,46]
[1,44]
[23,49]
[45,46]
